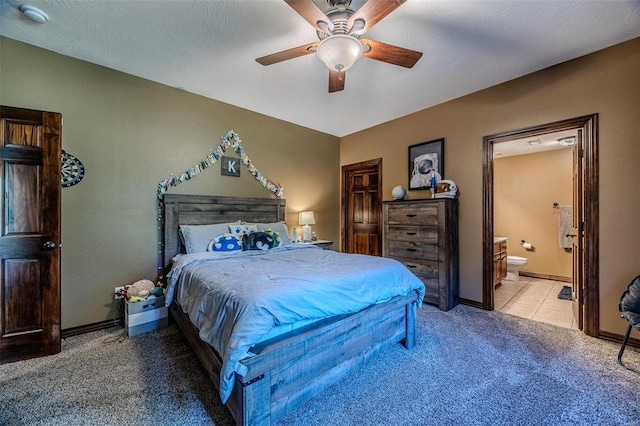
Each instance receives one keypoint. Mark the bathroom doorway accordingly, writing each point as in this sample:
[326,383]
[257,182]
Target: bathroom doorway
[583,236]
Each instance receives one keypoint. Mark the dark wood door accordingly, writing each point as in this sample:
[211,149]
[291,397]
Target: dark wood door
[30,157]
[362,208]
[577,232]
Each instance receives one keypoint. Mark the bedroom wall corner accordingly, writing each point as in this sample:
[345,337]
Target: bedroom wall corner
[131,133]
[605,82]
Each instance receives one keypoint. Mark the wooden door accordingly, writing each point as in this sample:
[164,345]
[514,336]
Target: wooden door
[577,232]
[362,208]
[30,157]
[585,245]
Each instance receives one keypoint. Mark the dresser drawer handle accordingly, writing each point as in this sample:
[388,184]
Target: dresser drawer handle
[411,249]
[411,266]
[411,215]
[411,233]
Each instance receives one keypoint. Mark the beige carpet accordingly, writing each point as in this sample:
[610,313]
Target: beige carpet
[468,367]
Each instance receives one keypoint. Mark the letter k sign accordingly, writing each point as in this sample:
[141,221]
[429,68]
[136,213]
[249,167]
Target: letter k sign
[230,166]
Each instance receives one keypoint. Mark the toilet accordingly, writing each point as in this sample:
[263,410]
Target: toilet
[514,263]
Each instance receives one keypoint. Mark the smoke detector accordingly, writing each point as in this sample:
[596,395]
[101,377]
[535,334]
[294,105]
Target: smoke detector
[33,14]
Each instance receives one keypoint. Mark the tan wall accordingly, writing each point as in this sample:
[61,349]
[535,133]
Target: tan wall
[525,187]
[130,134]
[606,82]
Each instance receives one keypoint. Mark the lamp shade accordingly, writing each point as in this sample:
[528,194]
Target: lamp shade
[339,52]
[307,218]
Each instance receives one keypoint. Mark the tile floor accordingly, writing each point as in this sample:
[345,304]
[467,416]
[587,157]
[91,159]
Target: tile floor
[535,299]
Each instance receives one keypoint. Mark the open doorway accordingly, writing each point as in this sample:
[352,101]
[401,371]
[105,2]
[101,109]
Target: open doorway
[584,229]
[532,213]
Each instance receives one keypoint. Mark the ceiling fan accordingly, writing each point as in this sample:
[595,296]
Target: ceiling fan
[339,29]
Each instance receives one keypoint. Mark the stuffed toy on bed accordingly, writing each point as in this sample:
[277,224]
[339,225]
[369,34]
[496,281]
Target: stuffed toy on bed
[260,240]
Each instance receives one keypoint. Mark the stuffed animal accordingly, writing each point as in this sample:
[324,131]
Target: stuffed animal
[142,288]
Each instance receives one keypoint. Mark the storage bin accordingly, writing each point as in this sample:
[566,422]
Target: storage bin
[142,317]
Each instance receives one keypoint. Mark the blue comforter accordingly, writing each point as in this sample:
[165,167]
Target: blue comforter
[236,299]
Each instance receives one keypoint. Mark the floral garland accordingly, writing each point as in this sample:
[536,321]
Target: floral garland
[231,139]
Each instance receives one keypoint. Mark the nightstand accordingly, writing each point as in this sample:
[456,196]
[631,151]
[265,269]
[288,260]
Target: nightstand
[323,244]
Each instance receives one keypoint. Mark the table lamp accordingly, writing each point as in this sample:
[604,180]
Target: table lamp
[306,219]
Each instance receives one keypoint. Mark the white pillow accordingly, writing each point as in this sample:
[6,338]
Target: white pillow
[240,229]
[278,227]
[197,237]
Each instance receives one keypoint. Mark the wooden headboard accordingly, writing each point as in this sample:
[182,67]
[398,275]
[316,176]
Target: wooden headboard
[181,209]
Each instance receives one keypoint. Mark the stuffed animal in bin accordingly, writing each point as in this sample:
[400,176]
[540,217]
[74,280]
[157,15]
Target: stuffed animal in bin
[142,288]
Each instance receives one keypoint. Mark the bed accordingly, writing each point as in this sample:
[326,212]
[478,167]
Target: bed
[287,369]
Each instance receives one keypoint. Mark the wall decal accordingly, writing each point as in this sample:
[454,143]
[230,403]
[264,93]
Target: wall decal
[230,140]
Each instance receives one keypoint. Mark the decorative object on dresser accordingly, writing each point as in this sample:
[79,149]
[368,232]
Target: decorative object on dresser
[399,192]
[306,218]
[423,235]
[426,164]
[446,189]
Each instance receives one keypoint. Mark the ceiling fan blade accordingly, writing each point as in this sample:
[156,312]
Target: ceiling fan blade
[372,12]
[336,81]
[288,54]
[311,13]
[390,54]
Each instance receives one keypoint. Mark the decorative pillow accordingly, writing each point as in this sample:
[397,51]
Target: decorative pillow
[259,241]
[241,229]
[276,238]
[226,242]
[197,237]
[279,228]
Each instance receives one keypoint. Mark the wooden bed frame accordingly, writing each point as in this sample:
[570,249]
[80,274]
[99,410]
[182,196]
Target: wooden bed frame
[290,369]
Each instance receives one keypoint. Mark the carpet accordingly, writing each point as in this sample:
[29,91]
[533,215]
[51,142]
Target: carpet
[565,293]
[469,367]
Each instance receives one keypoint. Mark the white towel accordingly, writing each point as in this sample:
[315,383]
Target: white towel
[565,226]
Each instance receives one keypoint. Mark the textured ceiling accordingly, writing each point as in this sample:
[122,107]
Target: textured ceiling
[209,48]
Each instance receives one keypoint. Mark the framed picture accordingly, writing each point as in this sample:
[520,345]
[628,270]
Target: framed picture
[426,159]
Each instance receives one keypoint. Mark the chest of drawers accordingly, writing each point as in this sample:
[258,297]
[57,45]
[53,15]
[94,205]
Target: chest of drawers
[423,235]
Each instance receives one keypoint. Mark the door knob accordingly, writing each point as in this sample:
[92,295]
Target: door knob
[49,245]
[569,235]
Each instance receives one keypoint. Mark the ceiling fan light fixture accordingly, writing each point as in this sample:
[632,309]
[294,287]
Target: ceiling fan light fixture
[339,52]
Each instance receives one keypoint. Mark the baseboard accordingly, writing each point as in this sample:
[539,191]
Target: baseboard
[545,276]
[618,338]
[119,322]
[82,329]
[470,302]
